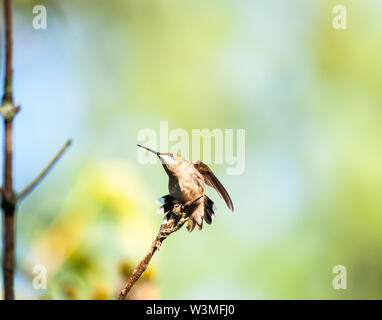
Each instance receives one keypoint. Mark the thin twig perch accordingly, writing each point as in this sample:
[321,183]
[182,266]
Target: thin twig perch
[180,220]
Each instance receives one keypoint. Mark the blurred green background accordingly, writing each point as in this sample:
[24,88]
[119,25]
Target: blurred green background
[307,95]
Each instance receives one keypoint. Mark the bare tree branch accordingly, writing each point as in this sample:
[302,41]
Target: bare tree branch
[8,110]
[43,173]
[181,219]
[8,50]
[8,197]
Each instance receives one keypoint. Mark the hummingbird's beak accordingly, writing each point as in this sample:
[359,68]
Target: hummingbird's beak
[148,149]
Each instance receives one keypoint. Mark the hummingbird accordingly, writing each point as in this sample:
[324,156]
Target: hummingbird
[186,186]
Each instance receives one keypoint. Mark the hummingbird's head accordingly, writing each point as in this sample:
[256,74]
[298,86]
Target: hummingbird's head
[171,161]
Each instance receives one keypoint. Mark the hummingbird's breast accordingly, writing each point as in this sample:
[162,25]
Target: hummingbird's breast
[187,186]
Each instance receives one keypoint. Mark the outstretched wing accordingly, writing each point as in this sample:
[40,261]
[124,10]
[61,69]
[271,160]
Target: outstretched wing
[211,180]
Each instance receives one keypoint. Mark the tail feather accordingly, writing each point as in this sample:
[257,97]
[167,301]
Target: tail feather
[203,209]
[209,208]
[167,204]
[208,216]
[190,225]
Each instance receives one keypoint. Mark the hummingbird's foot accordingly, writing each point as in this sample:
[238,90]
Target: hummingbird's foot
[178,208]
[190,202]
[183,206]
